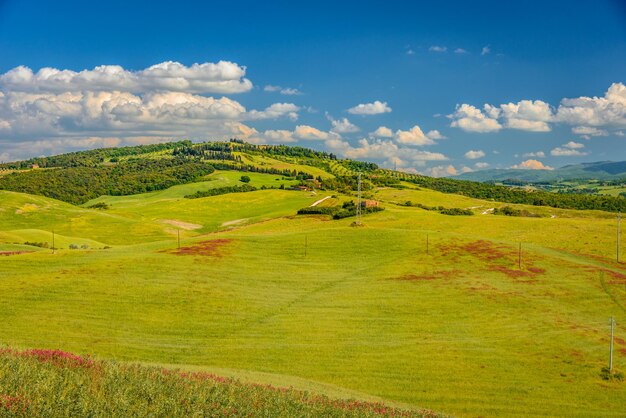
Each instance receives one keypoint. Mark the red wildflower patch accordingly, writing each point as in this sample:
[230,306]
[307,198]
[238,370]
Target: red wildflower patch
[199,376]
[8,253]
[211,248]
[57,357]
[12,403]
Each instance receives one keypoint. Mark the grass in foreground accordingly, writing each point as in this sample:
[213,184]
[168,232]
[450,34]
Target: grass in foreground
[56,383]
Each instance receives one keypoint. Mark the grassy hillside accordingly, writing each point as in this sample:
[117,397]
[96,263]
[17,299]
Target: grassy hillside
[461,326]
[366,309]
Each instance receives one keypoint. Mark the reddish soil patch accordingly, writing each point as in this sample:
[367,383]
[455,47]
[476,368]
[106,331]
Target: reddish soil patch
[620,341]
[8,253]
[444,274]
[415,278]
[576,354]
[617,278]
[486,250]
[500,258]
[514,274]
[622,350]
[211,248]
[481,287]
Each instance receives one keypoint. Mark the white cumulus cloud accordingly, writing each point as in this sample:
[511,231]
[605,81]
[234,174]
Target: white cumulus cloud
[571,149]
[442,171]
[471,119]
[64,108]
[287,91]
[382,132]
[588,116]
[223,77]
[474,155]
[414,136]
[375,108]
[275,111]
[538,154]
[343,126]
[532,165]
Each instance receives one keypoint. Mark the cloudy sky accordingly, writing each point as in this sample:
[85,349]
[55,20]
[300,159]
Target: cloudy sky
[436,89]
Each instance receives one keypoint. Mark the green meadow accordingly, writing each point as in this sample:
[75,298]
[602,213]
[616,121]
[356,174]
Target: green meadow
[457,325]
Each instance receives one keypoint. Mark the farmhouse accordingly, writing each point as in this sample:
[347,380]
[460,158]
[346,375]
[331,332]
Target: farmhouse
[300,188]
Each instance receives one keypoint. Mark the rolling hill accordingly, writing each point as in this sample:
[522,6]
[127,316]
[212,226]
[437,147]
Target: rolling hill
[428,304]
[602,170]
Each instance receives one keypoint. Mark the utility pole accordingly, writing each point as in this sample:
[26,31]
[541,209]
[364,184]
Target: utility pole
[358,205]
[611,346]
[519,256]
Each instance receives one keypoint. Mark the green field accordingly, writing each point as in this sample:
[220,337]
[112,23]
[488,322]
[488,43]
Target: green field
[416,308]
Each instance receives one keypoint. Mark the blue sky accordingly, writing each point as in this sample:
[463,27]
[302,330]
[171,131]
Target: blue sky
[445,87]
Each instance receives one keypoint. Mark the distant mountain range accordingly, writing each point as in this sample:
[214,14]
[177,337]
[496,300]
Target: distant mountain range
[602,170]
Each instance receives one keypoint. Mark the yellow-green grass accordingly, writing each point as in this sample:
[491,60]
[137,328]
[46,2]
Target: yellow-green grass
[210,214]
[366,309]
[612,191]
[434,198]
[146,217]
[577,232]
[19,212]
[213,181]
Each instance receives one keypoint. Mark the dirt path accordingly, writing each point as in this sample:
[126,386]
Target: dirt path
[320,201]
[180,224]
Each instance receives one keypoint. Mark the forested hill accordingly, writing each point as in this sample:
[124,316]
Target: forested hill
[602,170]
[80,176]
